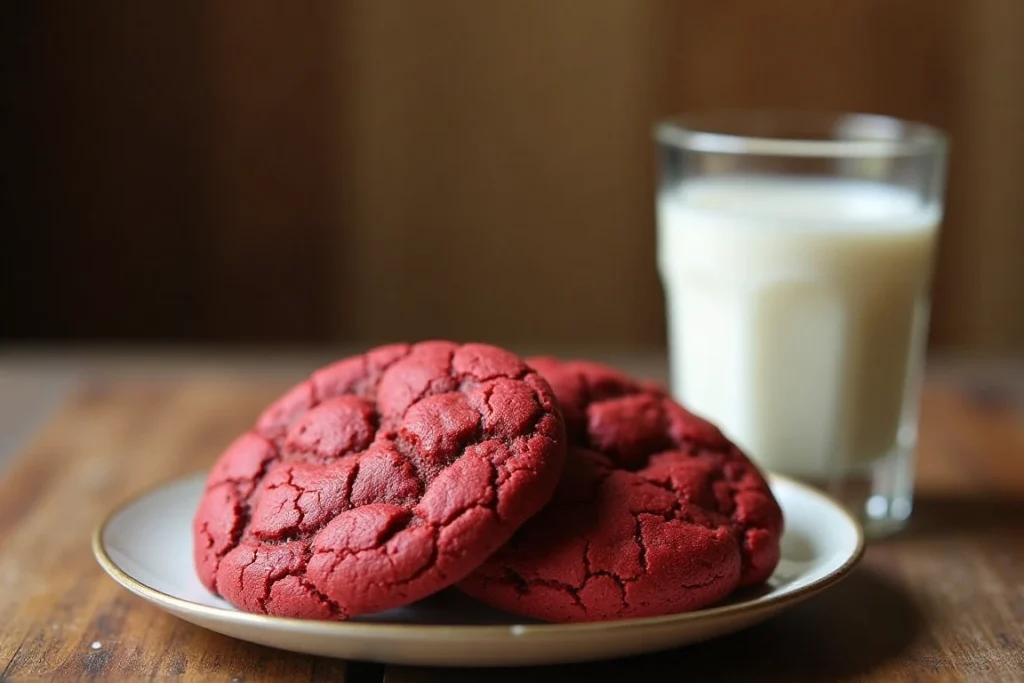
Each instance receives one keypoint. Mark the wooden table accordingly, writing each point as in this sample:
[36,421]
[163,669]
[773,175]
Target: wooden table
[942,601]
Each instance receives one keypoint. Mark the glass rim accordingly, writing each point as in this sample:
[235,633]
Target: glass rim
[721,131]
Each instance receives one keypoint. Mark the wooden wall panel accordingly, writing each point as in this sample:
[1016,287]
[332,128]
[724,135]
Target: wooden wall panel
[499,171]
[170,175]
[980,293]
[104,200]
[272,170]
[380,169]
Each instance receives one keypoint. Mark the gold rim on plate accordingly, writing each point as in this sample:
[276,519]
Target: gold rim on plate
[482,631]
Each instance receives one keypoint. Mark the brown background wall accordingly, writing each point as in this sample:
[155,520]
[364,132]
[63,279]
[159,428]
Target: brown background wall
[381,169]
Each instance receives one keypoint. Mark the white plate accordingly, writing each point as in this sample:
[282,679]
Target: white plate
[146,546]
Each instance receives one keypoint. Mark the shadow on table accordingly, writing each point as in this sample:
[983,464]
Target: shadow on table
[943,515]
[813,641]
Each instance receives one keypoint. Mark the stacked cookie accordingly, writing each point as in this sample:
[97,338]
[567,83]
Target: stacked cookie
[559,491]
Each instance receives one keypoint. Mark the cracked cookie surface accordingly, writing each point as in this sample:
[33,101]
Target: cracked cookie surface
[656,512]
[379,480]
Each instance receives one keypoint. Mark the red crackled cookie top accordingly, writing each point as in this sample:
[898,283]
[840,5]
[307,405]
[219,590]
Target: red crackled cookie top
[379,480]
[656,513]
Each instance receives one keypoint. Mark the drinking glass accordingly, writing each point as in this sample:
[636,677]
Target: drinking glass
[796,253]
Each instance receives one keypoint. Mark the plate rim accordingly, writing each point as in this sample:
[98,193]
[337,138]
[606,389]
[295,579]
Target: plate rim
[405,631]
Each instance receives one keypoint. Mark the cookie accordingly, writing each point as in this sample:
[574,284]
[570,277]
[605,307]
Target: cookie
[656,513]
[379,480]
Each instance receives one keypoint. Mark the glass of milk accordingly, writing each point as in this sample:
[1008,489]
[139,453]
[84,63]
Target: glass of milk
[796,254]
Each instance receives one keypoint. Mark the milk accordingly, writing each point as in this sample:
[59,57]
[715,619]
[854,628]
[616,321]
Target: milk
[797,311]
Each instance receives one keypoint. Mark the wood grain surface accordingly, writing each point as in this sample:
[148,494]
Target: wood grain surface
[942,601]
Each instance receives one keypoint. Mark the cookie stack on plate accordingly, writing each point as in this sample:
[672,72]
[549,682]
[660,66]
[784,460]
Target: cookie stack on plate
[562,491]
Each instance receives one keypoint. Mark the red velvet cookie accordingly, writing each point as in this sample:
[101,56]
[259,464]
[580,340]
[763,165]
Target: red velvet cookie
[656,513]
[379,480]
